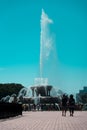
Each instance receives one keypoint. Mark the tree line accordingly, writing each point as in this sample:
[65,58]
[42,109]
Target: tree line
[9,89]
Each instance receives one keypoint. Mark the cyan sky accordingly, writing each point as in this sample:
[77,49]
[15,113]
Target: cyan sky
[66,67]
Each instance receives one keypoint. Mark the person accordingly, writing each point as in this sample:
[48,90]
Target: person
[64,104]
[34,107]
[71,105]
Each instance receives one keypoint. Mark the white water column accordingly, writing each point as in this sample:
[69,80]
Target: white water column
[45,40]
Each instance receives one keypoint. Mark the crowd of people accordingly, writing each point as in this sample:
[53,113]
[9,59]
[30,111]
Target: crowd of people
[68,103]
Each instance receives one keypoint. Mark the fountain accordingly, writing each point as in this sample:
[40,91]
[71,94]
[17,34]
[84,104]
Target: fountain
[41,90]
[41,93]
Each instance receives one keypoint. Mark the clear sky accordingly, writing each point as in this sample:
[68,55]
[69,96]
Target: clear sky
[66,67]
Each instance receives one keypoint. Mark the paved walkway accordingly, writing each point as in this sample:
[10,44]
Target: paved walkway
[46,121]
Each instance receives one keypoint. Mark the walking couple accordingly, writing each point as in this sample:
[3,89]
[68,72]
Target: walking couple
[68,103]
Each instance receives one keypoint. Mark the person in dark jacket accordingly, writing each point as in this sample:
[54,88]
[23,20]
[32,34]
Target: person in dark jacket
[71,105]
[64,104]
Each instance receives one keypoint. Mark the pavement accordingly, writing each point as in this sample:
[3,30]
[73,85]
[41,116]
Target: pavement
[46,120]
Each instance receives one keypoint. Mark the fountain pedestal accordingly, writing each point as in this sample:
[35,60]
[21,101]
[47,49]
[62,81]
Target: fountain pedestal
[42,90]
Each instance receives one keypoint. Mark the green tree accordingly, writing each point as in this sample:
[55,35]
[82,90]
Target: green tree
[9,89]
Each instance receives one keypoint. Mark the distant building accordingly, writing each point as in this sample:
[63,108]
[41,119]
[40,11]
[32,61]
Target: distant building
[80,94]
[83,91]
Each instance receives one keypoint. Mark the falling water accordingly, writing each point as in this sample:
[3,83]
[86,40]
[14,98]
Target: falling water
[45,40]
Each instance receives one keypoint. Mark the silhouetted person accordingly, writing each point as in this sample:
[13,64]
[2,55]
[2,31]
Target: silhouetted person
[71,105]
[34,106]
[64,104]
